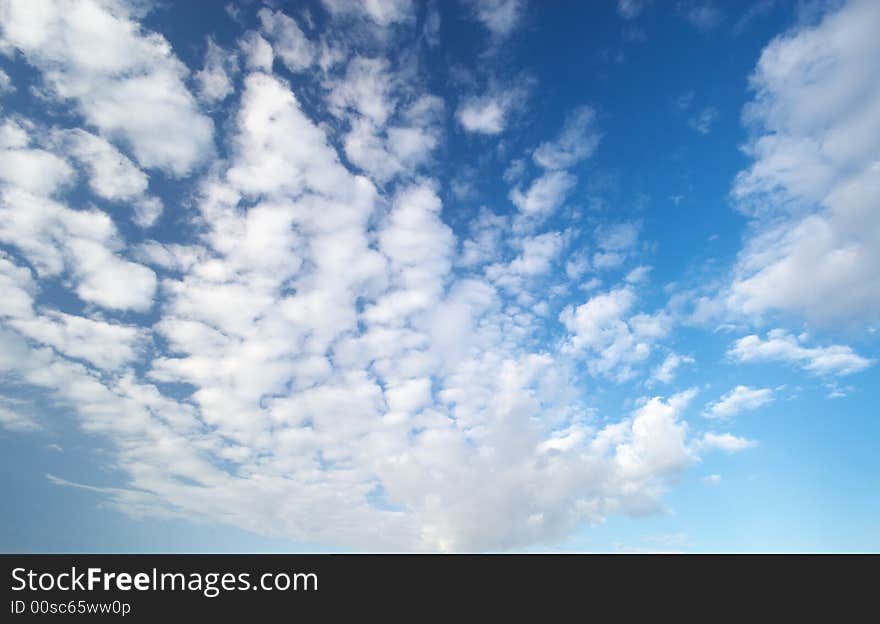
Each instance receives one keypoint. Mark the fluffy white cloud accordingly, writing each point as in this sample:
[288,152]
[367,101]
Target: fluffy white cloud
[484,114]
[34,170]
[813,186]
[611,339]
[392,128]
[111,174]
[257,52]
[577,141]
[55,238]
[780,346]
[545,194]
[107,346]
[124,81]
[215,79]
[291,44]
[269,114]
[740,399]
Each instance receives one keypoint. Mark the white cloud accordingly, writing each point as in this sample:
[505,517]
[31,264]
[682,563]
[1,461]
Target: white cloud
[665,372]
[6,85]
[107,346]
[620,237]
[780,346]
[14,420]
[257,52]
[813,187]
[35,171]
[124,81]
[55,238]
[291,43]
[385,152]
[483,115]
[215,79]
[538,252]
[269,114]
[112,174]
[14,133]
[638,275]
[740,399]
[577,141]
[545,194]
[726,442]
[365,90]
[611,343]
[381,12]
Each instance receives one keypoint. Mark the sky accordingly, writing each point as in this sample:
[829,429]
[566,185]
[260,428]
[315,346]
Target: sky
[464,276]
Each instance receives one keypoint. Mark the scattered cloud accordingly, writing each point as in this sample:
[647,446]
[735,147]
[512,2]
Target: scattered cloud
[577,141]
[611,339]
[665,372]
[483,115]
[725,442]
[545,194]
[381,13]
[740,399]
[215,79]
[780,346]
[290,43]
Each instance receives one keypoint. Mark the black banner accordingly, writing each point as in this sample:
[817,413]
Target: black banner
[156,588]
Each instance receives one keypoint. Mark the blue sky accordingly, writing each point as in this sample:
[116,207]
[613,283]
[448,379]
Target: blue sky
[443,276]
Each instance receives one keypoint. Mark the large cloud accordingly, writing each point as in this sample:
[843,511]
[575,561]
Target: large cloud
[814,186]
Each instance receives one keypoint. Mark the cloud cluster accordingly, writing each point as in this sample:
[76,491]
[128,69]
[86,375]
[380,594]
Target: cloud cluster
[318,354]
[577,141]
[124,81]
